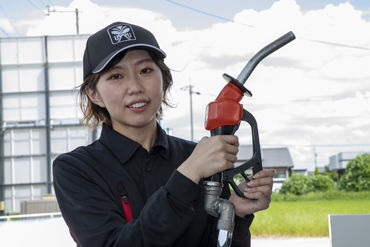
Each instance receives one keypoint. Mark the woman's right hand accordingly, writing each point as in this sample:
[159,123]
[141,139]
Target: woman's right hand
[211,155]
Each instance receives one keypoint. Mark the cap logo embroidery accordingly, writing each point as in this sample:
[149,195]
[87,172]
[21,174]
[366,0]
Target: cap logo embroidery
[121,33]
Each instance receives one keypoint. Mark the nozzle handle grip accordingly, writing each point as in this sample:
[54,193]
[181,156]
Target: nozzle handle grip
[254,163]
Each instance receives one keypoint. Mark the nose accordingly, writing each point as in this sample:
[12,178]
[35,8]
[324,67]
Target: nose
[135,85]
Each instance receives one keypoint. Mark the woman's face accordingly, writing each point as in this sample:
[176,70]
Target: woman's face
[131,91]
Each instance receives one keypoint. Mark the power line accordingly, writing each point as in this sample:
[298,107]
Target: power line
[2,30]
[339,44]
[199,11]
[34,5]
[42,3]
[230,20]
[76,11]
[7,17]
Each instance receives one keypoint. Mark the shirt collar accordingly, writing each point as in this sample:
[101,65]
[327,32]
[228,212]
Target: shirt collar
[161,143]
[123,147]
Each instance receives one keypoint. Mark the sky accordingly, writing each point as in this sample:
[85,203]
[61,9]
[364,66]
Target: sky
[312,95]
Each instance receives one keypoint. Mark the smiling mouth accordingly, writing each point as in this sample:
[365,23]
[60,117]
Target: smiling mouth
[138,105]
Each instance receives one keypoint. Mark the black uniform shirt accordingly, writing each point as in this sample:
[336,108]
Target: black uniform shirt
[167,207]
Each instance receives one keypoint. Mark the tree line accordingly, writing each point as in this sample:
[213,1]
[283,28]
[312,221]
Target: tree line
[356,178]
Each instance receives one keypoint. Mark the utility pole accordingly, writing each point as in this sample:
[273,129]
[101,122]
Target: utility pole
[67,11]
[191,92]
[77,22]
[315,155]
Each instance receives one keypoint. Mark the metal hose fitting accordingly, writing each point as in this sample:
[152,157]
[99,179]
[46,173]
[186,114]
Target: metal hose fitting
[223,209]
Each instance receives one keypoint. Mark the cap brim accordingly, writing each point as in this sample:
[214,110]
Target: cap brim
[108,58]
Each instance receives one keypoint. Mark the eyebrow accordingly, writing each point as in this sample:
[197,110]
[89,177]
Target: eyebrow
[149,59]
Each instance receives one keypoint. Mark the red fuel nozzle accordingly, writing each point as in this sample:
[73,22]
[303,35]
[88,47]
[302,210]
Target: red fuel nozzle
[225,110]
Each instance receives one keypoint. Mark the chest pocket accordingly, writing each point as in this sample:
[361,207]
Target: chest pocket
[126,207]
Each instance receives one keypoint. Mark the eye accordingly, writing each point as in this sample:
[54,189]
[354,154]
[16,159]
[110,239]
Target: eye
[146,70]
[115,77]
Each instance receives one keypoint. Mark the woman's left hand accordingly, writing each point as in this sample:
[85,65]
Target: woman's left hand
[257,193]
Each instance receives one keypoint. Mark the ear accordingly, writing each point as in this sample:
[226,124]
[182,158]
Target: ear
[94,96]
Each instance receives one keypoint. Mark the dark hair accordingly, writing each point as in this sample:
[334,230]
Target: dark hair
[93,114]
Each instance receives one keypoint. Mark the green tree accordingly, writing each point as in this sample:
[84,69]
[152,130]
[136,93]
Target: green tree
[332,174]
[316,171]
[357,174]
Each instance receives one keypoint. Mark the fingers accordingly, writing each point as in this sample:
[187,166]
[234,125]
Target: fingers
[254,195]
[260,187]
[260,182]
[231,139]
[226,150]
[260,199]
[263,177]
[253,202]
[263,182]
[231,158]
[227,143]
[211,155]
[264,173]
[257,193]
[229,150]
[266,190]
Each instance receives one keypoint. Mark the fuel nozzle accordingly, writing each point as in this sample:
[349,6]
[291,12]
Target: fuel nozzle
[223,117]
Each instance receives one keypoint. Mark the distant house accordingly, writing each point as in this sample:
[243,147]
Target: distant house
[277,158]
[339,161]
[302,171]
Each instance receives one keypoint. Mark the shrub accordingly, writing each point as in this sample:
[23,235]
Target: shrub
[357,174]
[322,183]
[299,184]
[332,174]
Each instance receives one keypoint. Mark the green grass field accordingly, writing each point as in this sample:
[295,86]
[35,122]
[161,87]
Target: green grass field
[307,216]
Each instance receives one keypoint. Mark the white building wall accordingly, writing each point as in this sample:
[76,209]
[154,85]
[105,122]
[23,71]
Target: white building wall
[39,80]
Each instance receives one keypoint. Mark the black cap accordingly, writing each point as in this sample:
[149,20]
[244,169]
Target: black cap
[104,45]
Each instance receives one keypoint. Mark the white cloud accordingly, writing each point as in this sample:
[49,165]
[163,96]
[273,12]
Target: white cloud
[294,87]
[6,27]
[93,17]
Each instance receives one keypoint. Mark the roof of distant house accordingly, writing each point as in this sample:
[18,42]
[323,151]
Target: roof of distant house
[271,157]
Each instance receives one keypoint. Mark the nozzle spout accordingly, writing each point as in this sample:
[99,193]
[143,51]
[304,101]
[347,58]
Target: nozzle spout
[264,52]
[225,223]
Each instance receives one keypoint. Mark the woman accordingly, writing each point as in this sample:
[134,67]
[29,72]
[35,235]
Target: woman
[135,185]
